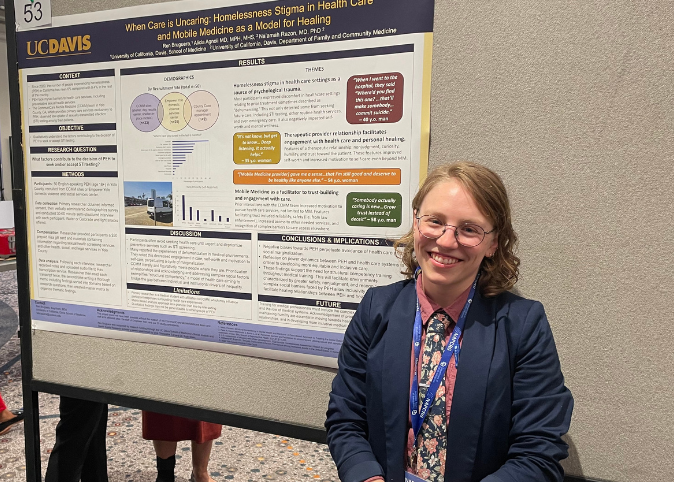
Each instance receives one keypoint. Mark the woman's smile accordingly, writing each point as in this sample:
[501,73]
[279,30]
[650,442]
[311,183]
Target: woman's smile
[443,260]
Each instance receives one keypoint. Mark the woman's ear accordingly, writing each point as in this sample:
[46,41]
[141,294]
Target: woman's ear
[494,246]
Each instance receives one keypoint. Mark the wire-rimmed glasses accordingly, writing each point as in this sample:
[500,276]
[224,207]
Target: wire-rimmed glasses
[467,234]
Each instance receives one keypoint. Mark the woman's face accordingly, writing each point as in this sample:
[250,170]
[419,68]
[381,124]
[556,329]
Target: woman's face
[449,268]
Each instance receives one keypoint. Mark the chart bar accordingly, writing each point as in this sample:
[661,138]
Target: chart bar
[204,208]
[192,157]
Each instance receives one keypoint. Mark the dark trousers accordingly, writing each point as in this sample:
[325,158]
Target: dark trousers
[79,451]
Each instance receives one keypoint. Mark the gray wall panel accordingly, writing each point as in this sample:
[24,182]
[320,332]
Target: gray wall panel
[71,7]
[255,387]
[572,103]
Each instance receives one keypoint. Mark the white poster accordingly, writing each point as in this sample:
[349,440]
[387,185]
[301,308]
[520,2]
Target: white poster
[226,179]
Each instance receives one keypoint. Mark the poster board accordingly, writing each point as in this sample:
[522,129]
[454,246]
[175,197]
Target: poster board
[105,124]
[576,118]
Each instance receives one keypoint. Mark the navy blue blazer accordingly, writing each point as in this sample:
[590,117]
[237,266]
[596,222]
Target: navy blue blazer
[509,410]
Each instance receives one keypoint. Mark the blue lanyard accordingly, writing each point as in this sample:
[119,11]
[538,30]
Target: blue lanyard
[453,347]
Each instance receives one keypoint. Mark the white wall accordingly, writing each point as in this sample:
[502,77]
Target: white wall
[5,119]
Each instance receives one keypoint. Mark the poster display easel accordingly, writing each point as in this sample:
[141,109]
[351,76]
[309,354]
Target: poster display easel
[209,193]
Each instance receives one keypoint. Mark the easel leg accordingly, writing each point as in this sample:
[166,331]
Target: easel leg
[32,435]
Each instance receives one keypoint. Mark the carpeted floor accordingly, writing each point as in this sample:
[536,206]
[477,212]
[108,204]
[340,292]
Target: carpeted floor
[239,455]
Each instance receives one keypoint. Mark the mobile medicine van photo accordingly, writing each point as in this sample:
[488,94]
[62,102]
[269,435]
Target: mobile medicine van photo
[159,207]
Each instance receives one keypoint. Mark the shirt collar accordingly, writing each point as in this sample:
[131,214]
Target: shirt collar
[428,306]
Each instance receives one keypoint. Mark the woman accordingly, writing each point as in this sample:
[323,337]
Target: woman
[497,406]
[166,431]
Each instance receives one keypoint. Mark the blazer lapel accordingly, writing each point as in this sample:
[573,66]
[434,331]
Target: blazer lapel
[396,379]
[465,421]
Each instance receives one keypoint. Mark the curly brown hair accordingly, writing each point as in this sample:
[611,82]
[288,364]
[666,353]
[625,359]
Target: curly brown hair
[499,272]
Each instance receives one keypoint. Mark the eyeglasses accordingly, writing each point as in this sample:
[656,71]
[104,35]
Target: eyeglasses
[468,234]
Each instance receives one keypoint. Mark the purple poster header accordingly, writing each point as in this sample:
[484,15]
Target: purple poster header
[242,27]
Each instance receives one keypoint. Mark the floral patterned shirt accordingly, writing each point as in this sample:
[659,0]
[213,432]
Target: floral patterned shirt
[428,307]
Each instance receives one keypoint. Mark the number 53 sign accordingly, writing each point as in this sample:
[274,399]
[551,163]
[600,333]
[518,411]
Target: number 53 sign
[32,13]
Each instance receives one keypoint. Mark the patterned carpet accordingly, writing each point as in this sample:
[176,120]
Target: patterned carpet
[238,455]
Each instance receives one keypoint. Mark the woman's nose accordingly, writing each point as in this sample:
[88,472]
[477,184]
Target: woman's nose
[448,239]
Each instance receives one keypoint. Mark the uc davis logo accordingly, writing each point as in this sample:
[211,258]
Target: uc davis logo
[64,45]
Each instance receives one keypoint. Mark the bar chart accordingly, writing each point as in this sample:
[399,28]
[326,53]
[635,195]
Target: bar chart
[190,159]
[203,209]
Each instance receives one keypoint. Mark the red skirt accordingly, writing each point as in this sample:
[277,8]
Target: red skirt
[168,428]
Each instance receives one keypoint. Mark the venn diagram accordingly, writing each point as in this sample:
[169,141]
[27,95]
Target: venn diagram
[175,111]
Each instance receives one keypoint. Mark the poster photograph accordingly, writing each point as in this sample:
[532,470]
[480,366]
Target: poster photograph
[227,179]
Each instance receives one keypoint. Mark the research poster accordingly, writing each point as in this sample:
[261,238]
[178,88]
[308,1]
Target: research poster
[228,179]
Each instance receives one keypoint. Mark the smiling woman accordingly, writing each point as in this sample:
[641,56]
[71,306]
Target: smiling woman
[399,379]
[482,190]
